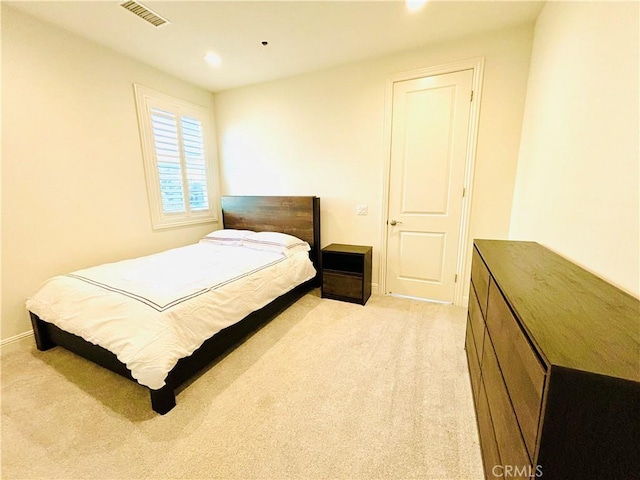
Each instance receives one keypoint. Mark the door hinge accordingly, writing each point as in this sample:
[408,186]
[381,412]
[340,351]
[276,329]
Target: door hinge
[464,192]
[455,280]
[471,100]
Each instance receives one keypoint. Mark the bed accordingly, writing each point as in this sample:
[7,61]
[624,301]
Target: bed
[211,313]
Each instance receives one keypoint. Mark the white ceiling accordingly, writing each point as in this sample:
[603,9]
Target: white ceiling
[303,35]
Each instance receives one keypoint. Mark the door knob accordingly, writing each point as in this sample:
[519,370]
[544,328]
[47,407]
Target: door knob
[393,222]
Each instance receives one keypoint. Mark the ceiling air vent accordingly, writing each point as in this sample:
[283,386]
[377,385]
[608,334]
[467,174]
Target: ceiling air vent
[145,14]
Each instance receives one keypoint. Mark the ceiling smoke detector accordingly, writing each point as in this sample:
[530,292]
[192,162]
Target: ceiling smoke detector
[145,13]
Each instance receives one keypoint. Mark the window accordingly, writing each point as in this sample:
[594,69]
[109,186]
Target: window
[177,157]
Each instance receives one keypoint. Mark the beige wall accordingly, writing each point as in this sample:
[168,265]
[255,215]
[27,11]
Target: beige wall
[73,187]
[323,134]
[578,171]
[73,190]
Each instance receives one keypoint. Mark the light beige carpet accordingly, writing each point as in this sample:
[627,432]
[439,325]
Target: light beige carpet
[326,390]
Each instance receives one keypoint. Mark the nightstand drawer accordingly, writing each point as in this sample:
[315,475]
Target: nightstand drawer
[342,284]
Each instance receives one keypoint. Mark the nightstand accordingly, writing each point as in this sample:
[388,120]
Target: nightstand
[346,273]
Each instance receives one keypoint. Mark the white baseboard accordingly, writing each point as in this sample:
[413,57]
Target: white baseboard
[14,341]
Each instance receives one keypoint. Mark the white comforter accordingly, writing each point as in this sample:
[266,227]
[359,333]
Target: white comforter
[152,311]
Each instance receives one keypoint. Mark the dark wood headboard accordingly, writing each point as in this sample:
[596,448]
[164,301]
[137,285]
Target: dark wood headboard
[298,216]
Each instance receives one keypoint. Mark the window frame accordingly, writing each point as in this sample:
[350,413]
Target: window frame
[146,99]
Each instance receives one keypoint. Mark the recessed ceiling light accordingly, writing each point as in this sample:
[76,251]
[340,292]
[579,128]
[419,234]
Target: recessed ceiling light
[212,59]
[415,5]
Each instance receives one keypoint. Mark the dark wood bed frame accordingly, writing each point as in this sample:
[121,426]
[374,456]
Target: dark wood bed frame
[299,216]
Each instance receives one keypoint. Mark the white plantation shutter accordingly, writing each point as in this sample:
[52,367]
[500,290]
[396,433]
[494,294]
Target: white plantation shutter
[195,163]
[176,159]
[168,162]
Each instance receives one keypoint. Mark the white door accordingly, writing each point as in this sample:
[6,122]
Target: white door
[429,137]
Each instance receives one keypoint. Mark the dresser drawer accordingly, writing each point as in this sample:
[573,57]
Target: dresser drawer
[480,280]
[510,444]
[522,371]
[474,362]
[477,321]
[488,445]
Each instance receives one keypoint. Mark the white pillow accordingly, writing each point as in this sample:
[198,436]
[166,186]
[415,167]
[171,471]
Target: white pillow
[275,242]
[227,236]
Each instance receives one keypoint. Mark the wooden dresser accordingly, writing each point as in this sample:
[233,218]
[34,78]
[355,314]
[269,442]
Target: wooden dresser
[554,361]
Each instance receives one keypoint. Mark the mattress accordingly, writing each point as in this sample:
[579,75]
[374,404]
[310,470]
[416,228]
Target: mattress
[152,311]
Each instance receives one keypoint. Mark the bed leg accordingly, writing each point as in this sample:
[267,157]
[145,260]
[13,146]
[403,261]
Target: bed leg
[163,400]
[41,333]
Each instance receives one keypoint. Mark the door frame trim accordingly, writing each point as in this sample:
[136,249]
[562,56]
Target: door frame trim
[477,65]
